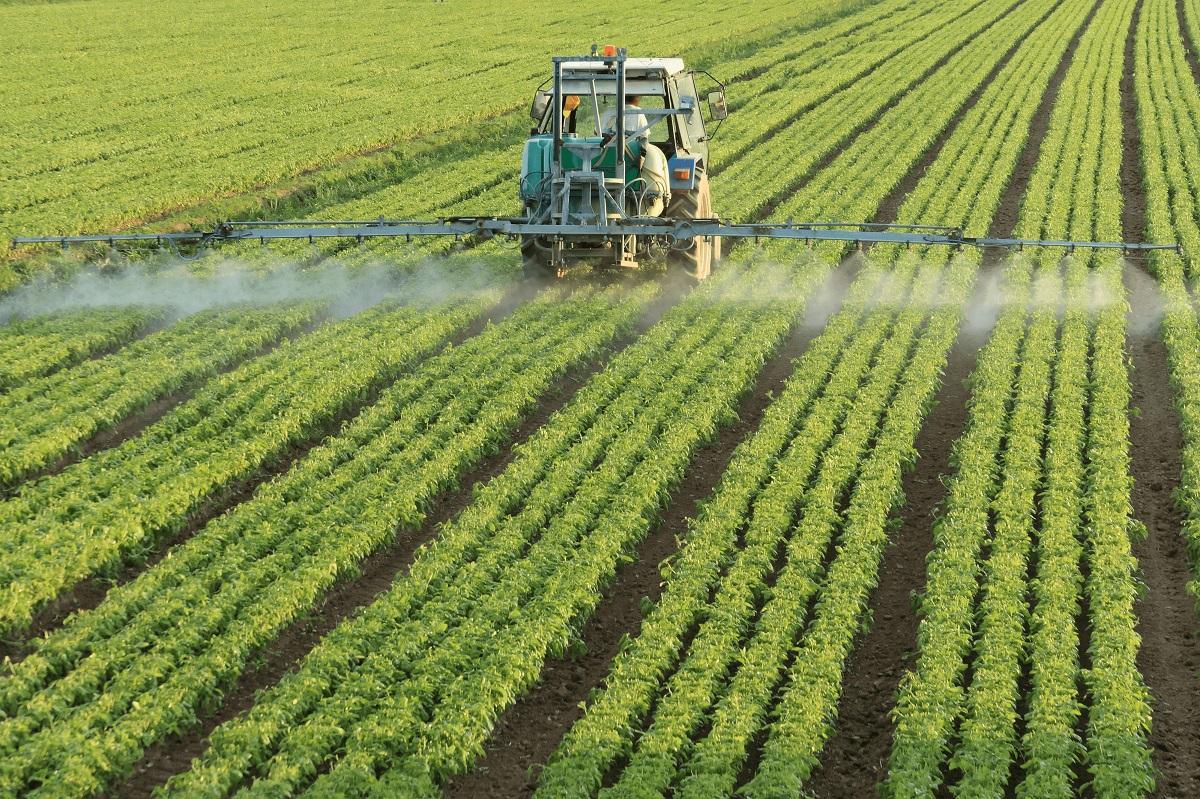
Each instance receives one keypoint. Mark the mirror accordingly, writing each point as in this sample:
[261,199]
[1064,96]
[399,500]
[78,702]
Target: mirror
[716,106]
[541,101]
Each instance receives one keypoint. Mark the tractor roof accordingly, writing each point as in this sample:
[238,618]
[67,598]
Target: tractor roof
[633,66]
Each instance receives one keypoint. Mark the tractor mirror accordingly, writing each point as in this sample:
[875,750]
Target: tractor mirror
[541,101]
[716,106]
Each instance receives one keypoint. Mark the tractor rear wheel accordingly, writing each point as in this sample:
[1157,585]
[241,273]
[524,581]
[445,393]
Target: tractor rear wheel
[534,262]
[696,261]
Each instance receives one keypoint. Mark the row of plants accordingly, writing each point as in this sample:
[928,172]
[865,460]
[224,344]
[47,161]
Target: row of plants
[81,708]
[987,731]
[999,675]
[806,709]
[800,517]
[120,503]
[1119,713]
[37,346]
[930,699]
[45,419]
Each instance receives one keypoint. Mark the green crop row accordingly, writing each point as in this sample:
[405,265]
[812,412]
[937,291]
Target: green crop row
[987,733]
[807,706]
[46,418]
[801,515]
[1073,193]
[1169,118]
[41,345]
[82,707]
[700,677]
[1119,713]
[150,486]
[1050,740]
[929,699]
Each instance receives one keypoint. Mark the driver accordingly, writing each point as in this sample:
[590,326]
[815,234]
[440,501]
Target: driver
[636,126]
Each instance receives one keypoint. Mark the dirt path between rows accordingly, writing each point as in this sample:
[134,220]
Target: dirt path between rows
[528,732]
[1169,656]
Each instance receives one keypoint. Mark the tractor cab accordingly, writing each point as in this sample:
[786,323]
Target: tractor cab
[616,138]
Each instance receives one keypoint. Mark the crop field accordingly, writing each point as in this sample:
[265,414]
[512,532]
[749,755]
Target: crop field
[385,518]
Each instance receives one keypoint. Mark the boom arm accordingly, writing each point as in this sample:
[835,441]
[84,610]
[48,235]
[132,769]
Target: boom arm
[669,232]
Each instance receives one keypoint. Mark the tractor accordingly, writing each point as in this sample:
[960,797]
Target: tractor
[586,163]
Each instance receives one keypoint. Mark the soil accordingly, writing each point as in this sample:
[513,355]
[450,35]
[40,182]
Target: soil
[1169,656]
[379,571]
[528,732]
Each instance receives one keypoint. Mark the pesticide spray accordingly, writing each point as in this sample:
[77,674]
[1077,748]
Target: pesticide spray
[345,289]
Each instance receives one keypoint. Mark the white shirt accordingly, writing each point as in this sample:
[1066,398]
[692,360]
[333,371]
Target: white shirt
[636,126]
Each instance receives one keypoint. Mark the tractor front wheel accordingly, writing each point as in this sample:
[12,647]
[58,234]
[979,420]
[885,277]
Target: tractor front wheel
[697,260]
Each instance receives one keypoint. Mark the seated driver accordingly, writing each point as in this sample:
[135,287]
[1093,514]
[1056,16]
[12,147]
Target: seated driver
[636,126]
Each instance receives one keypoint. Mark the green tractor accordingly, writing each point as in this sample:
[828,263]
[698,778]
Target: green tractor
[587,164]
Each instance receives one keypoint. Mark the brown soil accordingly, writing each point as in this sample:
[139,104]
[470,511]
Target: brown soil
[377,572]
[1169,658]
[527,733]
[1170,653]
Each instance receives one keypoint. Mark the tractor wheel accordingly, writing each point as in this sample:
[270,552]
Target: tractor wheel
[696,261]
[534,262]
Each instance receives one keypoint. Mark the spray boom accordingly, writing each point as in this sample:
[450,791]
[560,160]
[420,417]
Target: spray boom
[666,232]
